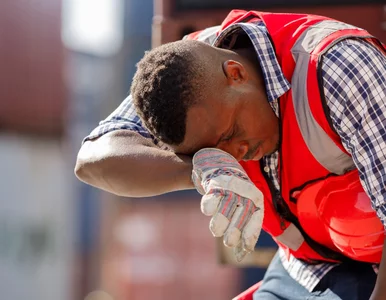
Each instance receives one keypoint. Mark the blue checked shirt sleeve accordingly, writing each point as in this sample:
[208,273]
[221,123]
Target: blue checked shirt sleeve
[354,80]
[123,118]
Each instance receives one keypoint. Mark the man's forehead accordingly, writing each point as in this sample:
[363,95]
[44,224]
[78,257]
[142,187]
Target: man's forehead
[197,131]
[204,125]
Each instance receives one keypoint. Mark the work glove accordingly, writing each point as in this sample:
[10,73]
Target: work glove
[229,196]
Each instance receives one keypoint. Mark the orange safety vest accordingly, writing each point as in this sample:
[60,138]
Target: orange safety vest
[310,151]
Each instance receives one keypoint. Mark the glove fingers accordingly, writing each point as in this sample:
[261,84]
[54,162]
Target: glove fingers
[210,202]
[239,219]
[230,198]
[218,224]
[239,252]
[248,208]
[249,236]
[233,234]
[227,206]
[252,230]
[224,203]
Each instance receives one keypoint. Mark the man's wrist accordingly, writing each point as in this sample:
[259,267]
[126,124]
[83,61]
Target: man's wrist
[184,176]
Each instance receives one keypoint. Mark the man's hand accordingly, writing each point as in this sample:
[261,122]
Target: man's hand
[234,202]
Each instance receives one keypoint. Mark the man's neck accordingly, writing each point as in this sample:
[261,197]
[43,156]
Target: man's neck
[250,56]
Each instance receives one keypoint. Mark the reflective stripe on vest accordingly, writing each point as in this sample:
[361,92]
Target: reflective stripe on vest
[323,148]
[291,237]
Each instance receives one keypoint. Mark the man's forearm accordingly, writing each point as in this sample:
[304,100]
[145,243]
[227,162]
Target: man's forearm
[126,164]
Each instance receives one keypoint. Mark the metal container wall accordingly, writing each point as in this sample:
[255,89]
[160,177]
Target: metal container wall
[161,248]
[170,25]
[32,94]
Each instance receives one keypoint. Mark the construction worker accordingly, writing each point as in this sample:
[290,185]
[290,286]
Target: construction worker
[278,120]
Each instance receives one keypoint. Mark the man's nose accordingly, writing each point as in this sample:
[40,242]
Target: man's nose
[238,149]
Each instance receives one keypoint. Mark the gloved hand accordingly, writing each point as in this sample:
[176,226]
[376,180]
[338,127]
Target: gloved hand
[229,196]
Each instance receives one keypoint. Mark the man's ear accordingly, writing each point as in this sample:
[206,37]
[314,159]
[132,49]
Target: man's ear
[234,72]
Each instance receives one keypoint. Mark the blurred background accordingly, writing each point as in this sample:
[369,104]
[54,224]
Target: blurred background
[64,66]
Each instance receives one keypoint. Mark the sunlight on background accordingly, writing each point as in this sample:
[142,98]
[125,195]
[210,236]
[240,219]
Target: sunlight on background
[93,26]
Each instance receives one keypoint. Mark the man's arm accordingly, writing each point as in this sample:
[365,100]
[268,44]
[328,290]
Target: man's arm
[125,163]
[355,88]
[121,157]
[354,75]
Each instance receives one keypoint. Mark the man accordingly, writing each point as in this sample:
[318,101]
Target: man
[277,104]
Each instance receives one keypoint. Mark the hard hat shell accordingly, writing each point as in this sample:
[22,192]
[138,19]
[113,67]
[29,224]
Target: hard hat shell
[337,213]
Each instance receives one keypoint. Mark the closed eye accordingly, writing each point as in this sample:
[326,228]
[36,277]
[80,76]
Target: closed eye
[230,135]
[227,138]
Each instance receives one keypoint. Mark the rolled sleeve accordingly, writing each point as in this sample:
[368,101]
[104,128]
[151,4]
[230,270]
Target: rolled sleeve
[124,117]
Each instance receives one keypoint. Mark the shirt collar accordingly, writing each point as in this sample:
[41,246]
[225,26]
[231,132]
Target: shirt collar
[275,82]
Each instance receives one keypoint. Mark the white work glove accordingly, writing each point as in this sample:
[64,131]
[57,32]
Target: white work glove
[229,196]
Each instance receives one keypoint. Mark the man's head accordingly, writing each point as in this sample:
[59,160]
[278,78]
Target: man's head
[191,95]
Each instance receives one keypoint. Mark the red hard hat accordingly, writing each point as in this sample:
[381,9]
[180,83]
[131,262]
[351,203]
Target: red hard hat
[337,213]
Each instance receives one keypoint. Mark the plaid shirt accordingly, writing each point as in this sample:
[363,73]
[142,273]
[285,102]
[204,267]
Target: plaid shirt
[357,109]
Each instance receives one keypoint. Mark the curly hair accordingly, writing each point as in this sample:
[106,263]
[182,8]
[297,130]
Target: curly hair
[168,81]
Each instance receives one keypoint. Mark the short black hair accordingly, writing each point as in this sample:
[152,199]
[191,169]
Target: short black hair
[168,81]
